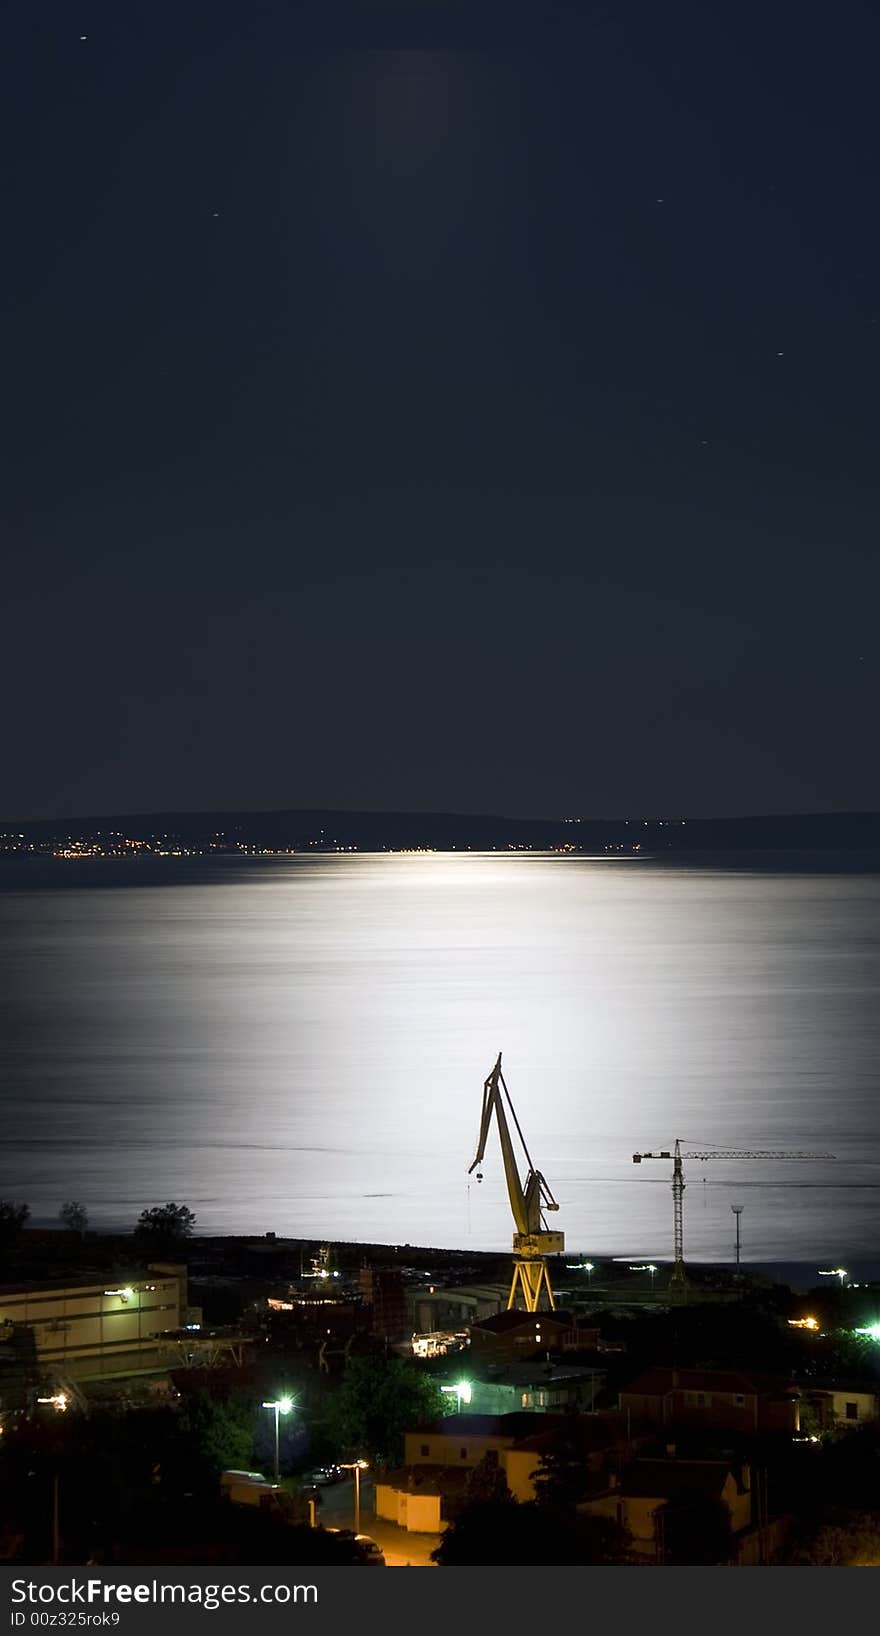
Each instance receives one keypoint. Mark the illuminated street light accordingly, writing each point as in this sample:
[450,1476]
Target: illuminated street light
[58,1400]
[870,1331]
[357,1466]
[462,1392]
[281,1405]
[833,1272]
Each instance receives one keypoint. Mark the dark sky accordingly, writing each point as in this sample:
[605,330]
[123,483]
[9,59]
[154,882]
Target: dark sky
[453,407]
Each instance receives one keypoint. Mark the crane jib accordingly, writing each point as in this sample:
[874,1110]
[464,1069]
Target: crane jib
[532,1241]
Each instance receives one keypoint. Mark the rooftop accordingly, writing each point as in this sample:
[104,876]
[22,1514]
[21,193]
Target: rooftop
[657,1382]
[649,1479]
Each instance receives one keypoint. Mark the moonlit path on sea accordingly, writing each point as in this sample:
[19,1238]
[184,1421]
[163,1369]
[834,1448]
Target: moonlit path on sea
[299,1045]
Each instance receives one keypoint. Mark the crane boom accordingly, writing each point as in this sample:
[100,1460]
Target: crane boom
[678,1184]
[532,1240]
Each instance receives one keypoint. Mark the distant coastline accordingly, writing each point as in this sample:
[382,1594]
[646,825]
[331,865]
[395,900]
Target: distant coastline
[43,1244]
[286,833]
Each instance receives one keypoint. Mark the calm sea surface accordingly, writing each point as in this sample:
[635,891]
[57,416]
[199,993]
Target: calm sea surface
[299,1045]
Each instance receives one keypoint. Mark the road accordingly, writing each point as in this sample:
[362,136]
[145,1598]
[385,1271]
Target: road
[402,1549]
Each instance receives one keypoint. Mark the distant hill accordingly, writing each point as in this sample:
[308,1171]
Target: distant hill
[379,831]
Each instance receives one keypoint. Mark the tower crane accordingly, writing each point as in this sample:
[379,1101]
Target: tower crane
[532,1241]
[677,1156]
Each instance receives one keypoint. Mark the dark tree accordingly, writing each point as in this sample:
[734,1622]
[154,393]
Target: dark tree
[852,1542]
[378,1399]
[166,1225]
[487,1482]
[217,1433]
[12,1218]
[501,1534]
[693,1530]
[563,1476]
[74,1217]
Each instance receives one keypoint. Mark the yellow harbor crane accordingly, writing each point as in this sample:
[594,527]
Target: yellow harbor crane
[532,1241]
[676,1155]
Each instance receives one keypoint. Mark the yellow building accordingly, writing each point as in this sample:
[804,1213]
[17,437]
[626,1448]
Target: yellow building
[842,1406]
[104,1327]
[646,1485]
[459,1442]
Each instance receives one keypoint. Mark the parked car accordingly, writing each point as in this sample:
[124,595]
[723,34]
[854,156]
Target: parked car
[371,1554]
[322,1475]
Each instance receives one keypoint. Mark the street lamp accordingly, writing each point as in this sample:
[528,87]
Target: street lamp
[738,1210]
[834,1272]
[357,1466]
[588,1269]
[462,1392]
[281,1405]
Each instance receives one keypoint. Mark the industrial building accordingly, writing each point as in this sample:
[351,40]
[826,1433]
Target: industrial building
[88,1329]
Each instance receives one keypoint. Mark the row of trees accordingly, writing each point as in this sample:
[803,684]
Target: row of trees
[161,1227]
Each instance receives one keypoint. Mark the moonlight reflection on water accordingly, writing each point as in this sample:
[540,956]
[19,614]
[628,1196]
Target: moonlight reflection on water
[300,1045]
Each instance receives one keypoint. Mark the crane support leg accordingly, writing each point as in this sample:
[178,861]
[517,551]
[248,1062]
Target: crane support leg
[530,1279]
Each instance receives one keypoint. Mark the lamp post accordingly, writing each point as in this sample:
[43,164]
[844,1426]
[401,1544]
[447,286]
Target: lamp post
[462,1391]
[281,1405]
[738,1210]
[357,1466]
[588,1269]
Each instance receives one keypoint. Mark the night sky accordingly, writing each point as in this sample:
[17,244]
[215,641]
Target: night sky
[459,408]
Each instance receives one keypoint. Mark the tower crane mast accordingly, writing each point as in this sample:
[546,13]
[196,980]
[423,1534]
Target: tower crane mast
[678,1184]
[532,1240]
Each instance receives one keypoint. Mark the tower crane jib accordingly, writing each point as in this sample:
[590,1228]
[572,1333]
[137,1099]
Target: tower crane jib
[678,1183]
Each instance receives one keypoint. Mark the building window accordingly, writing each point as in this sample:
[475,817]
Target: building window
[425,1449]
[852,1411]
[463,1453]
[739,1400]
